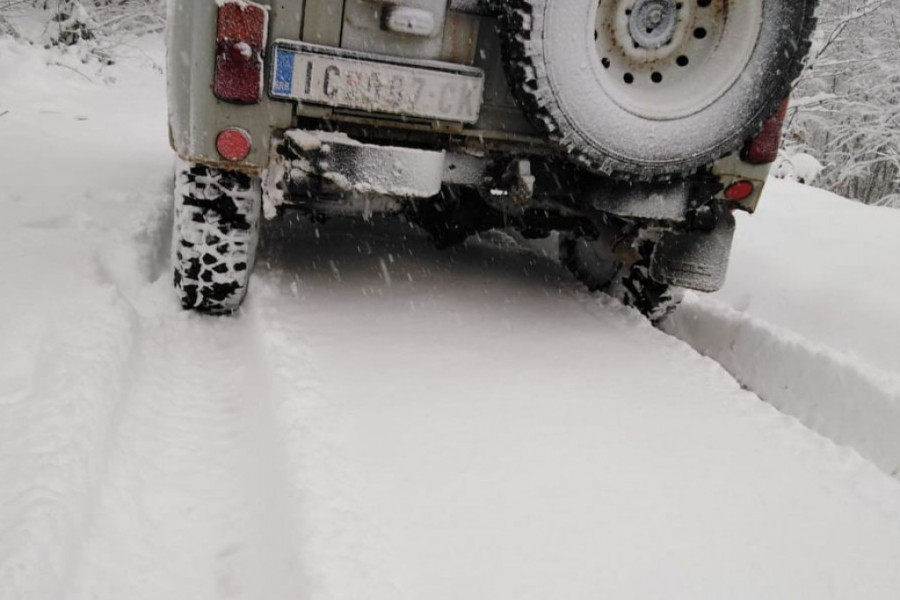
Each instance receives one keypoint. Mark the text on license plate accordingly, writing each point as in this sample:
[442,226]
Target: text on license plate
[351,82]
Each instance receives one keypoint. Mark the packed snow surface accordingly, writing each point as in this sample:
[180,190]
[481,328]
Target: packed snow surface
[381,421]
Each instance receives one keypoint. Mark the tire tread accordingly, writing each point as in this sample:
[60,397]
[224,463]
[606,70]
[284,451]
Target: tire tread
[216,232]
[521,37]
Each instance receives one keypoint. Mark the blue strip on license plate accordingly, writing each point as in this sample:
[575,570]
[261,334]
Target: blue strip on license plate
[283,81]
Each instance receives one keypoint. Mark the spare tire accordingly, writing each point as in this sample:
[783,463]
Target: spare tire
[653,88]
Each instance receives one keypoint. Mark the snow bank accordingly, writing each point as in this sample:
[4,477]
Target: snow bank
[823,267]
[68,123]
[798,166]
[809,318]
[840,397]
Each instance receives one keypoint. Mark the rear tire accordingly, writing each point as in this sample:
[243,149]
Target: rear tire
[598,265]
[216,233]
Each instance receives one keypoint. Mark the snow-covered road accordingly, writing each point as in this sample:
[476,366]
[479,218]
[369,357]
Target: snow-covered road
[381,421]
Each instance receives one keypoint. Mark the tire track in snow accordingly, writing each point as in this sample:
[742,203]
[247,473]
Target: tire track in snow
[312,434]
[192,505]
[72,337]
[207,493]
[143,456]
[54,442]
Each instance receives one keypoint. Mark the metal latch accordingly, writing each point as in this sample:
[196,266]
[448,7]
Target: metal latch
[408,20]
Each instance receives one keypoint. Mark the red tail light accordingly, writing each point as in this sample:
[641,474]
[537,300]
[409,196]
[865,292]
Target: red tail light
[739,191]
[233,144]
[240,39]
[763,148]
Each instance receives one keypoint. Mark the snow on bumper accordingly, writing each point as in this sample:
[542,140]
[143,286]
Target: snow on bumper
[337,164]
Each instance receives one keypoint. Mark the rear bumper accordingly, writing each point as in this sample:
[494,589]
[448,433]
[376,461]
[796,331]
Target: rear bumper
[313,166]
[334,162]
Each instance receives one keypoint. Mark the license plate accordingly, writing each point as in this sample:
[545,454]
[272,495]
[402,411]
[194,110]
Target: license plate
[373,83]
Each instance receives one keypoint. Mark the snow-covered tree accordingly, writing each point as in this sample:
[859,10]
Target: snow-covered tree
[846,110]
[70,22]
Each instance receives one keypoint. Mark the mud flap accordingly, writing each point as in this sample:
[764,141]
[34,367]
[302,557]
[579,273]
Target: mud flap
[696,260]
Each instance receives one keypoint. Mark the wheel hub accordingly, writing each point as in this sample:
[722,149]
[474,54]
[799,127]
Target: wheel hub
[668,59]
[652,23]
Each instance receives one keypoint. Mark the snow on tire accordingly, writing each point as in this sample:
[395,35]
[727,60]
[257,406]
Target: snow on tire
[216,233]
[653,88]
[634,287]
[596,264]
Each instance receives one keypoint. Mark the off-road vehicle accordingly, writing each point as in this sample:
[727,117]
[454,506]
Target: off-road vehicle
[633,128]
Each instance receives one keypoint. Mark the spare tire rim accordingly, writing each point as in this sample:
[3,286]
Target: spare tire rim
[669,59]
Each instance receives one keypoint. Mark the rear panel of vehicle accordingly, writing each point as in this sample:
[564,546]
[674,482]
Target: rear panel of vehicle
[456,36]
[364,28]
[461,35]
[195,114]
